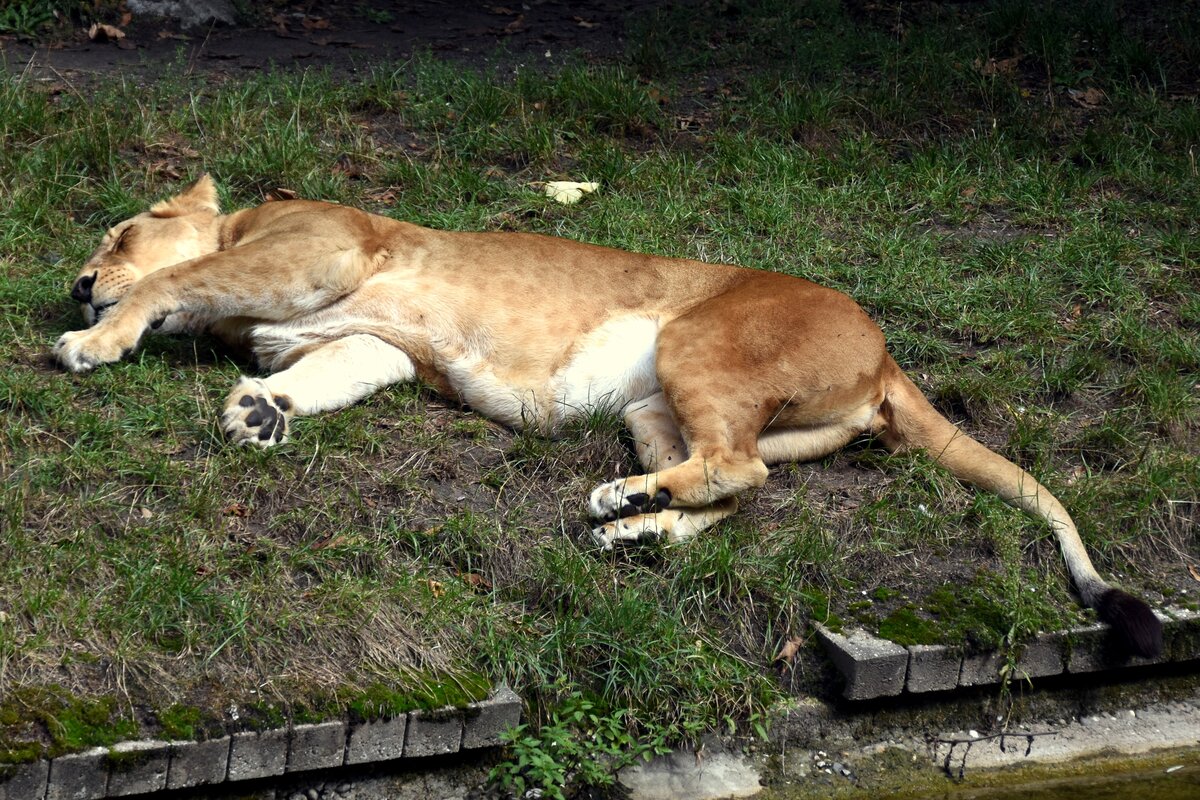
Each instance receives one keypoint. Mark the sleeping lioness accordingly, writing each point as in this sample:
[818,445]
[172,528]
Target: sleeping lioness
[718,371]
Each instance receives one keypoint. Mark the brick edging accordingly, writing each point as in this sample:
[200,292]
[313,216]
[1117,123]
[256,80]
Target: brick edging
[140,767]
[874,667]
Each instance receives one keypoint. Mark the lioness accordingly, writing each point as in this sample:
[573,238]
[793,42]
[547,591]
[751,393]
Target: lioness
[718,370]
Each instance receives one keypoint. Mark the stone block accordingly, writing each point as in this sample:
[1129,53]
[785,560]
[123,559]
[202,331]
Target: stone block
[376,740]
[1043,657]
[932,668]
[317,746]
[1094,648]
[79,776]
[1181,635]
[433,733]
[138,768]
[872,667]
[981,669]
[198,763]
[484,722]
[258,754]
[24,781]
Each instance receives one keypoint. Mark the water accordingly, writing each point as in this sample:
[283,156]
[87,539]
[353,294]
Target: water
[1157,784]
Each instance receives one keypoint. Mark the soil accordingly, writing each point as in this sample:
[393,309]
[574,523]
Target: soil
[346,37]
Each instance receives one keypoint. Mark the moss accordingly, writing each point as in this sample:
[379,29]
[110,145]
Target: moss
[20,752]
[125,760]
[426,693]
[72,723]
[883,594]
[180,722]
[904,627]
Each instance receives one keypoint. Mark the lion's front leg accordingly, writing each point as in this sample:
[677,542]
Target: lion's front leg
[333,376]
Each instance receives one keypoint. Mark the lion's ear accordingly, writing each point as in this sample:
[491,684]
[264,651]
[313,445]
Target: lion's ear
[200,196]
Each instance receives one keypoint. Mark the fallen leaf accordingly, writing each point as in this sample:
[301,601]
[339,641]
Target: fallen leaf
[436,588]
[99,32]
[333,541]
[236,510]
[569,192]
[1088,98]
[315,24]
[164,35]
[787,653]
[477,581]
[583,23]
[281,194]
[515,26]
[1195,572]
[145,512]
[387,195]
[991,67]
[503,11]
[126,18]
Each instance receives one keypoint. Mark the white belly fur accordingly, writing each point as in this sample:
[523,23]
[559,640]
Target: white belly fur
[613,366]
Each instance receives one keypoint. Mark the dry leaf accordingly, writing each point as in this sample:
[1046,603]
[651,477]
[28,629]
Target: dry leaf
[787,653]
[436,588]
[503,11]
[1195,572]
[583,23]
[281,194]
[1088,98]
[1005,66]
[236,510]
[331,542]
[568,192]
[477,581]
[99,32]
[516,25]
[145,512]
[387,195]
[315,24]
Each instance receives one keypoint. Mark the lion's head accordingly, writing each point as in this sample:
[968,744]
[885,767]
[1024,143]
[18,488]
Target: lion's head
[172,231]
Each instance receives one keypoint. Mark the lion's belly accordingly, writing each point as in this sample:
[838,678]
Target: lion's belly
[608,368]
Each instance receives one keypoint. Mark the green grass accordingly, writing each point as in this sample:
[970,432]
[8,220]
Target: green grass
[1032,261]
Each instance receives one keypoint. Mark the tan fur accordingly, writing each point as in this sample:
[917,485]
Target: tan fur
[719,370]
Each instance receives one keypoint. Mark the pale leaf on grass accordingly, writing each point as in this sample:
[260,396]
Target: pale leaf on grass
[568,192]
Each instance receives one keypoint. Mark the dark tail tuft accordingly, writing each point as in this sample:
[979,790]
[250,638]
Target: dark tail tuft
[1133,621]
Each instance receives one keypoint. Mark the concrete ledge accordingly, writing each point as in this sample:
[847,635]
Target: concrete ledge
[20,781]
[932,668]
[873,667]
[317,746]
[258,754]
[198,763]
[486,722]
[433,733]
[376,740]
[144,767]
[79,776]
[138,768]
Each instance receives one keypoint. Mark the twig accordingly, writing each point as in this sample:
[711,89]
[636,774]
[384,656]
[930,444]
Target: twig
[962,767]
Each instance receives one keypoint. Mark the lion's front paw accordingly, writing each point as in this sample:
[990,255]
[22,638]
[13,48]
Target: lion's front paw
[253,415]
[80,351]
[617,499]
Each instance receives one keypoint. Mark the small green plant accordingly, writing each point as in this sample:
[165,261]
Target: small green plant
[578,746]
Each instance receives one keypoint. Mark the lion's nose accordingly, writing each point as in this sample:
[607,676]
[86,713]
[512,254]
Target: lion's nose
[82,290]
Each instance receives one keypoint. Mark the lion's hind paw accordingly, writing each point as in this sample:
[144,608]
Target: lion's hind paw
[254,416]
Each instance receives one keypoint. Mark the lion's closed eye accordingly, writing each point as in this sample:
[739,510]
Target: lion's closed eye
[123,240]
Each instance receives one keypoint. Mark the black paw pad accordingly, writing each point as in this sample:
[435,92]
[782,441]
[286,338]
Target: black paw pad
[642,503]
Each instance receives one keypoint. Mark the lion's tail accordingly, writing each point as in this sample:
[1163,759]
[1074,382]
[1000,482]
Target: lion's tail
[912,422]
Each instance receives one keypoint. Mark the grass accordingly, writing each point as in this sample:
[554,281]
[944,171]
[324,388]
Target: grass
[1033,260]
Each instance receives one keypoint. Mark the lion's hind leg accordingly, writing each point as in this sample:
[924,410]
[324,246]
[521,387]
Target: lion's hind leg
[674,525]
